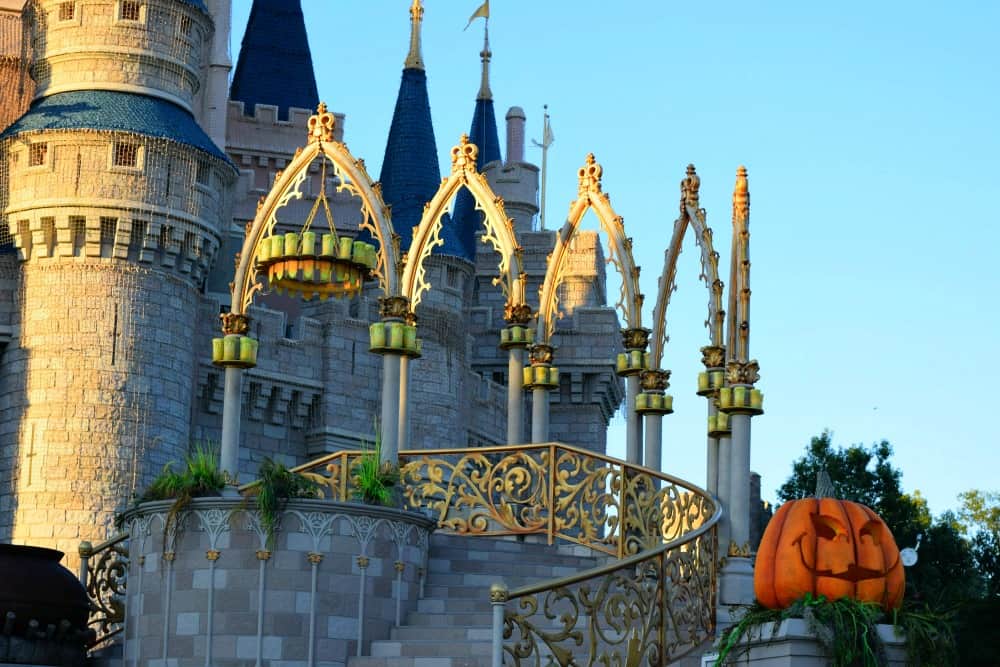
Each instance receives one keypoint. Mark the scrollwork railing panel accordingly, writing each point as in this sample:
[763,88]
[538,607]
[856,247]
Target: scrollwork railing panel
[649,609]
[552,489]
[105,571]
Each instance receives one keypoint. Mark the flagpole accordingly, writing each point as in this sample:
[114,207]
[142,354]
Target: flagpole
[546,142]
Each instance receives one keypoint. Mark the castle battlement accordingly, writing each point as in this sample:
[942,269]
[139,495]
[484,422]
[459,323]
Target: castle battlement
[263,133]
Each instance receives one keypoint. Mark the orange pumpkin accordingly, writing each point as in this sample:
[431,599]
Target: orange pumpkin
[830,547]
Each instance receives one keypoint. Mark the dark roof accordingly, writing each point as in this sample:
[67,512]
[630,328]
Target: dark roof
[113,111]
[275,66]
[467,221]
[410,172]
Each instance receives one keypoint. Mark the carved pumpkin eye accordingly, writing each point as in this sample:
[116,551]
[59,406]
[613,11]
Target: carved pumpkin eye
[829,528]
[873,529]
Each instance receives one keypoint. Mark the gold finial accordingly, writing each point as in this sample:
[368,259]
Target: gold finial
[484,86]
[464,154]
[590,176]
[413,58]
[690,186]
[741,195]
[321,124]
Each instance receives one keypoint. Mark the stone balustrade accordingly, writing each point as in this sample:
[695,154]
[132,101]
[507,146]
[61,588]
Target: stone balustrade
[215,591]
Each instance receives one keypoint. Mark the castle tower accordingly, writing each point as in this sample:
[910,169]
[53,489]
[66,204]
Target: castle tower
[115,197]
[410,177]
[587,338]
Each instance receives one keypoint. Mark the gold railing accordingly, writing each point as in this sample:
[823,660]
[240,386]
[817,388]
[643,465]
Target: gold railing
[651,605]
[103,572]
[648,609]
[551,489]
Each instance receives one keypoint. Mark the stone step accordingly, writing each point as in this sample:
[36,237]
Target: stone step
[430,648]
[525,566]
[449,620]
[454,633]
[412,661]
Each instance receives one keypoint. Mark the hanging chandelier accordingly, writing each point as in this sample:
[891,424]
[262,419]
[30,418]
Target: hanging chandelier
[306,264]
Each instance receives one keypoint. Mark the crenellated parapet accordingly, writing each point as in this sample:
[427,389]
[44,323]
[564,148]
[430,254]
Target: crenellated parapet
[148,47]
[115,196]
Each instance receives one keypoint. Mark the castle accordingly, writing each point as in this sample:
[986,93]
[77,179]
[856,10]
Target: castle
[129,169]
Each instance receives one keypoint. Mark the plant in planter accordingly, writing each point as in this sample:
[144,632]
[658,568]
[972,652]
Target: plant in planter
[199,476]
[375,482]
[275,486]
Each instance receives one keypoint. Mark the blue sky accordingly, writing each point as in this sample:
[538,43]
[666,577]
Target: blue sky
[870,134]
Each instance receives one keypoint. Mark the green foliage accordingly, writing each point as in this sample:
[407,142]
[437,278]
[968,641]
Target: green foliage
[199,476]
[981,513]
[929,636]
[275,486]
[374,482]
[846,631]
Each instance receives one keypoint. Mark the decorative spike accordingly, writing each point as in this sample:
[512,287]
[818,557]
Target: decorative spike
[414,60]
[485,55]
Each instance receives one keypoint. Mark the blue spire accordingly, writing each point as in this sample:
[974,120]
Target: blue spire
[410,172]
[465,218]
[275,66]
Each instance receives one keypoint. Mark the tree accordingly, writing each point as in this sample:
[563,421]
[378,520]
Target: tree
[981,513]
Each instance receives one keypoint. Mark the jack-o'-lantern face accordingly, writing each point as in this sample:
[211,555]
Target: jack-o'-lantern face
[828,547]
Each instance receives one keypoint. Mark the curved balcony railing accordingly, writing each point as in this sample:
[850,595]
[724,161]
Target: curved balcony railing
[550,489]
[651,605]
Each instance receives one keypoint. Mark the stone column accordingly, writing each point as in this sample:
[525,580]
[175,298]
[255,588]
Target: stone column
[633,422]
[539,415]
[389,422]
[403,429]
[739,480]
[541,358]
[653,440]
[654,404]
[712,457]
[634,341]
[232,400]
[515,396]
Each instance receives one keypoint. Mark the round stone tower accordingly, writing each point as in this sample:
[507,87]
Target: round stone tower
[115,198]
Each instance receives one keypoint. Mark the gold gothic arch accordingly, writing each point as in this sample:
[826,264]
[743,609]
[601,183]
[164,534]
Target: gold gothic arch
[351,176]
[499,230]
[590,196]
[690,214]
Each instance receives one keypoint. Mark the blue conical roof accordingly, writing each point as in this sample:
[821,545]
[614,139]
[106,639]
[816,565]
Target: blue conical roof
[275,65]
[410,173]
[467,221]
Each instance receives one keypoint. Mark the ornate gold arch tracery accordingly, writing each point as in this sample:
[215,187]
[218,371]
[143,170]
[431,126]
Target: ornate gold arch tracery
[499,230]
[590,196]
[351,176]
[690,214]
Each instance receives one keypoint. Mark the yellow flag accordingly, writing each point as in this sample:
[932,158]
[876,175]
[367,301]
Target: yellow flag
[482,12]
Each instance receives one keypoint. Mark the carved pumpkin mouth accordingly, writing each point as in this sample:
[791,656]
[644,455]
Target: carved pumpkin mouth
[853,573]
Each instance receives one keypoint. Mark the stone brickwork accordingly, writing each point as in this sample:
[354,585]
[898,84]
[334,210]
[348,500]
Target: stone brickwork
[160,50]
[76,204]
[258,603]
[96,396]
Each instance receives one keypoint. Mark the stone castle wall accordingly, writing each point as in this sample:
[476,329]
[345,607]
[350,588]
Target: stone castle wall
[96,396]
[158,50]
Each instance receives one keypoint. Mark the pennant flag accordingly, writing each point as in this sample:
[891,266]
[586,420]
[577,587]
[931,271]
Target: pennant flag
[482,12]
[547,135]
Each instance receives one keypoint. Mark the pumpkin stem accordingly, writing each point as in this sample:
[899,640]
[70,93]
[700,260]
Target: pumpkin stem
[824,486]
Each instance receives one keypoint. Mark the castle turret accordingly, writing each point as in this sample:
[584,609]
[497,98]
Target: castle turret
[483,133]
[275,64]
[115,197]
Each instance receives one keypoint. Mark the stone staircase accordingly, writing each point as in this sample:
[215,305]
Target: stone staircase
[452,624]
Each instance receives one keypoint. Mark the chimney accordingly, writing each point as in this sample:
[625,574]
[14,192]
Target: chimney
[515,135]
